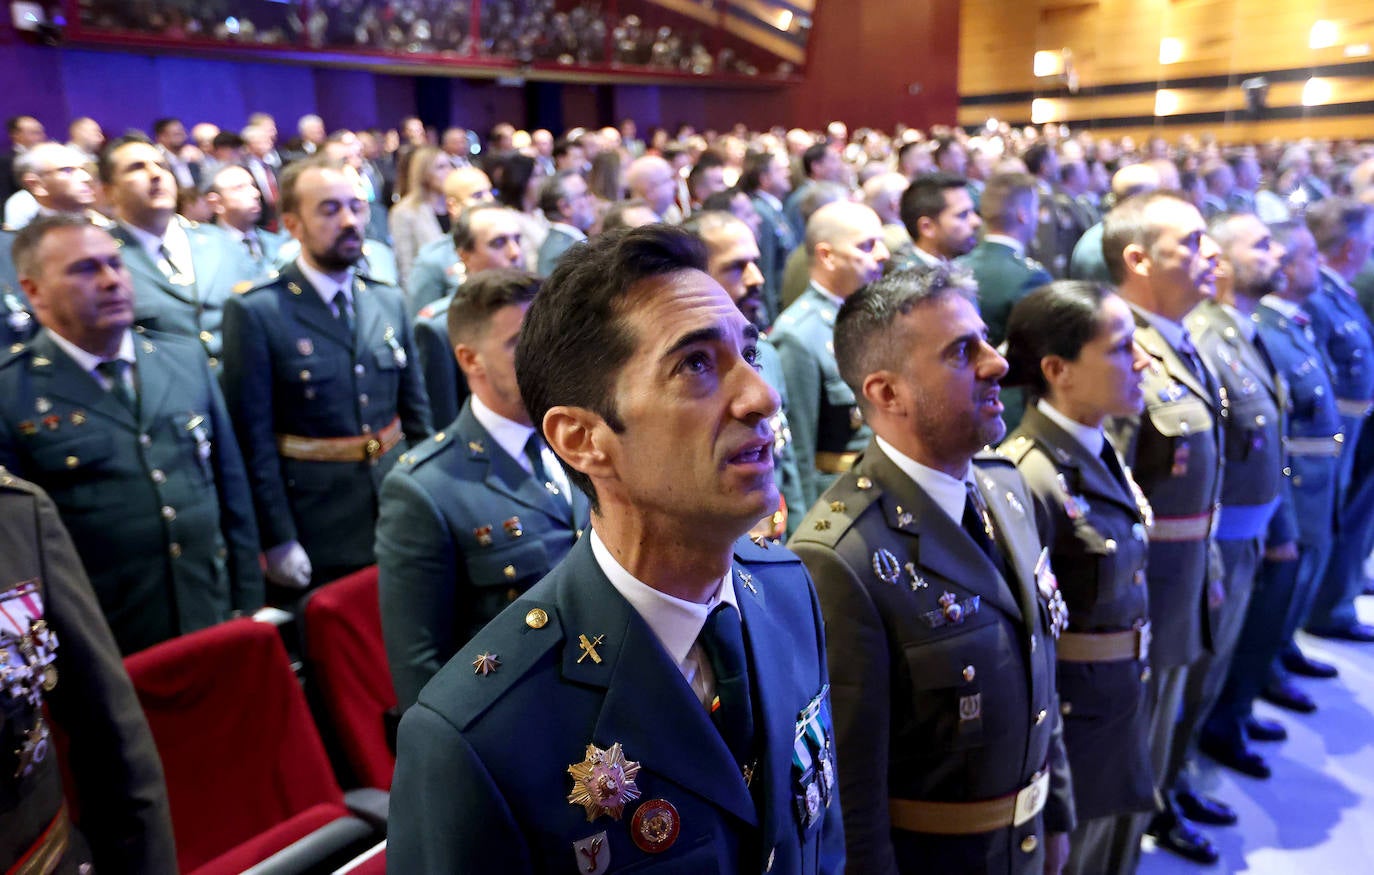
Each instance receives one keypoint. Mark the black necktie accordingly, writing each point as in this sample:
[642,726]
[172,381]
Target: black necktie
[254,246]
[977,522]
[341,311]
[1188,352]
[1108,456]
[534,453]
[732,710]
[113,371]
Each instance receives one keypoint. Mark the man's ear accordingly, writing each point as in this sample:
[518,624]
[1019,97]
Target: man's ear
[468,362]
[1137,259]
[880,391]
[579,437]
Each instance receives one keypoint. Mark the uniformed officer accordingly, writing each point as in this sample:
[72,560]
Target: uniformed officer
[1300,535]
[183,274]
[438,270]
[486,236]
[940,608]
[129,433]
[1072,345]
[845,242]
[939,214]
[732,259]
[321,381]
[478,513]
[630,710]
[237,204]
[1227,340]
[1000,267]
[61,663]
[1163,263]
[1344,231]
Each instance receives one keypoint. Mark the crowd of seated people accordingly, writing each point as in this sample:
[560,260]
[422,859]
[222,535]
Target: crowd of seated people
[336,315]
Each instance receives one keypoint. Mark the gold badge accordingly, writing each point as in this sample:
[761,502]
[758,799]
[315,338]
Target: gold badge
[486,663]
[536,618]
[604,783]
[655,826]
[589,648]
[78,417]
[305,346]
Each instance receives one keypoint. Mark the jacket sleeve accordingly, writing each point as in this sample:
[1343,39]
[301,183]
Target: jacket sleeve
[438,370]
[235,508]
[802,378]
[124,810]
[418,578]
[860,692]
[248,395]
[447,815]
[412,398]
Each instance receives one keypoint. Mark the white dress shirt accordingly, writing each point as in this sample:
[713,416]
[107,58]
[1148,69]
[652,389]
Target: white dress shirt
[88,361]
[327,287]
[1091,438]
[177,243]
[948,493]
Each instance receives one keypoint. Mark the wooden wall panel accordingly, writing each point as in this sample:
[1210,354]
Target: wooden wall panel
[1117,41]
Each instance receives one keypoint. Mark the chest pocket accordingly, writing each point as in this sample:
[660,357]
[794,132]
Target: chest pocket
[72,469]
[387,358]
[948,674]
[517,565]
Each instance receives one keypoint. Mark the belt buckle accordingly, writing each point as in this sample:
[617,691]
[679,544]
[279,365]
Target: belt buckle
[1031,800]
[372,448]
[1143,644]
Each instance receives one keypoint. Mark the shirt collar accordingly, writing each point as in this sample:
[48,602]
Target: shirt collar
[1091,438]
[509,435]
[948,493]
[1283,306]
[325,286]
[1172,331]
[675,622]
[828,295]
[1016,246]
[926,257]
[768,198]
[152,243]
[87,360]
[1338,281]
[1242,322]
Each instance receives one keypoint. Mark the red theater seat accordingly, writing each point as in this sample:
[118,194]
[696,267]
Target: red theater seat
[371,863]
[247,775]
[346,661]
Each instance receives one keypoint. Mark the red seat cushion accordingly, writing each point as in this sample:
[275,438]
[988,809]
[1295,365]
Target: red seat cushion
[347,658]
[264,845]
[241,754]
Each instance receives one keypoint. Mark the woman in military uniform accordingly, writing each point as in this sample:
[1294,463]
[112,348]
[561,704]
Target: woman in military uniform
[1071,345]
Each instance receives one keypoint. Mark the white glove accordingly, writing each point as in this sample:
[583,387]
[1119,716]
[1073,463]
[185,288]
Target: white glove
[288,565]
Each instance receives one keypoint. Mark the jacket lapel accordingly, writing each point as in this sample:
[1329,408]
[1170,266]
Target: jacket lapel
[1154,343]
[505,475]
[1092,475]
[56,374]
[1021,551]
[153,382]
[206,258]
[942,547]
[649,708]
[367,313]
[145,270]
[309,308]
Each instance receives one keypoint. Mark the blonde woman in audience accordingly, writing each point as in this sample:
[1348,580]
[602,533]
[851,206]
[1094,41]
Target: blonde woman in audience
[420,217]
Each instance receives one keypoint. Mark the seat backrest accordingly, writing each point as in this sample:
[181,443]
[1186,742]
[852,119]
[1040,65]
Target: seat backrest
[346,660]
[239,748]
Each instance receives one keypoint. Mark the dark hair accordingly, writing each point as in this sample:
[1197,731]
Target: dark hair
[463,239]
[1003,194]
[1125,225]
[482,295]
[943,146]
[722,200]
[755,165]
[163,124]
[29,237]
[603,179]
[814,154]
[1334,220]
[1035,157]
[1059,318]
[514,171]
[708,161]
[552,191]
[106,166]
[575,339]
[925,198]
[13,122]
[227,140]
[561,147]
[866,337]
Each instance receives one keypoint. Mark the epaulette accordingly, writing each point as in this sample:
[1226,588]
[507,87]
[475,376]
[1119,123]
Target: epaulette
[517,639]
[13,353]
[989,458]
[15,484]
[756,549]
[437,443]
[243,288]
[1016,449]
[842,504]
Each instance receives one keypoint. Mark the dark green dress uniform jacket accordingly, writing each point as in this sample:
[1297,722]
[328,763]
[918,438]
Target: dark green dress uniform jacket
[822,410]
[437,272]
[445,384]
[775,244]
[926,708]
[1095,530]
[125,819]
[291,368]
[16,316]
[463,531]
[194,310]
[1173,449]
[482,781]
[158,502]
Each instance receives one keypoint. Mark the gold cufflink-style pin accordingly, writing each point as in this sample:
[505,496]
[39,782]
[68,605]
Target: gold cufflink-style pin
[536,618]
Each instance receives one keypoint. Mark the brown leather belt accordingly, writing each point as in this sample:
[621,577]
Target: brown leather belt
[47,852]
[1132,644]
[970,818]
[355,448]
[835,463]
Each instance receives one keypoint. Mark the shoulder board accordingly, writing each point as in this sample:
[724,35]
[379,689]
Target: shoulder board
[271,280]
[15,352]
[989,458]
[520,637]
[15,484]
[1016,448]
[835,512]
[436,444]
[758,550]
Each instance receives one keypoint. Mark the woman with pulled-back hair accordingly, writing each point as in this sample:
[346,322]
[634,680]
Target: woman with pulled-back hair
[1071,345]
